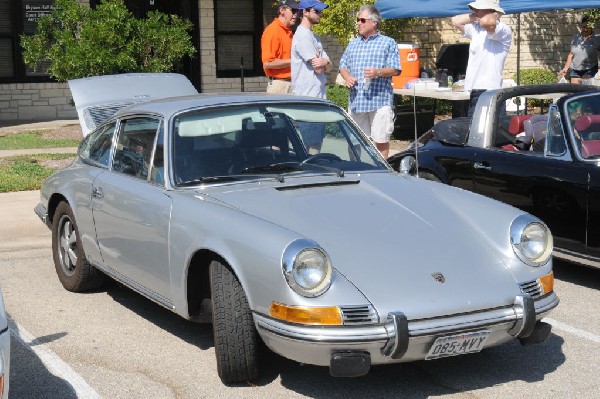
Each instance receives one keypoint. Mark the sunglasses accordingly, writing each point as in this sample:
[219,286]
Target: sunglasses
[362,20]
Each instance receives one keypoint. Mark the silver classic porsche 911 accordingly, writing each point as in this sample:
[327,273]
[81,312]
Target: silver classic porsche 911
[274,218]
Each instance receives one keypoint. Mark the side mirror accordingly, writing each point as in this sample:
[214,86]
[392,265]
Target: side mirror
[408,165]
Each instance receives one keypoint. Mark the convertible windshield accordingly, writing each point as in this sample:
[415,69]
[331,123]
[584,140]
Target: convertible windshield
[255,140]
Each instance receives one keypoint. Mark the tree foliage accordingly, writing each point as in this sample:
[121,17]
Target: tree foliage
[593,14]
[78,41]
[339,20]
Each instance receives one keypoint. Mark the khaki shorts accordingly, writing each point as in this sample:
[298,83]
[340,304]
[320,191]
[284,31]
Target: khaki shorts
[378,124]
[277,86]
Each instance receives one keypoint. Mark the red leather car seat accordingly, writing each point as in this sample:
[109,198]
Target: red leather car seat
[515,127]
[516,124]
[587,123]
[590,148]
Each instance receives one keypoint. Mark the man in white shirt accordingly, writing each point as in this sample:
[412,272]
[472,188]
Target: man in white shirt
[490,43]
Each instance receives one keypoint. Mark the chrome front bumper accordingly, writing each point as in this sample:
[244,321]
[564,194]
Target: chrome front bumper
[42,213]
[398,339]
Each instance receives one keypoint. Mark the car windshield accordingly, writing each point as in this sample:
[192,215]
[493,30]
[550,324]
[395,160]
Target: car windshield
[584,119]
[243,142]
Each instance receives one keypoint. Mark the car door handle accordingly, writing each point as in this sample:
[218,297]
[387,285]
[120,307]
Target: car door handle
[97,193]
[482,165]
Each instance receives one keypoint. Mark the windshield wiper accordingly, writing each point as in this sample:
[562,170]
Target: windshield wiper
[274,167]
[209,179]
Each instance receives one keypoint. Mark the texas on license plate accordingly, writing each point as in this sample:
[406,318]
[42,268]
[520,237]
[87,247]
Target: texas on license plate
[458,344]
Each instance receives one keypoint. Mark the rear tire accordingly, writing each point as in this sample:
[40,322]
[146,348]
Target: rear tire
[235,336]
[73,271]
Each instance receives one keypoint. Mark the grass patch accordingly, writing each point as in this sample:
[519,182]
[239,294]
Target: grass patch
[33,139]
[26,172]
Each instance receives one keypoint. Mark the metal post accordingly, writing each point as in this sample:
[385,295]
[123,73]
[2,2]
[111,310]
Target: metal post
[242,74]
[518,49]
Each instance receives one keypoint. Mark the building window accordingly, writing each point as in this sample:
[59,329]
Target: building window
[238,28]
[19,17]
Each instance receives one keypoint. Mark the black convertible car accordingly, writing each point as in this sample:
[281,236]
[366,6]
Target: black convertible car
[536,147]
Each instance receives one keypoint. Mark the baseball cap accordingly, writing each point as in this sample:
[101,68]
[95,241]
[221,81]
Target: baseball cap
[316,5]
[293,4]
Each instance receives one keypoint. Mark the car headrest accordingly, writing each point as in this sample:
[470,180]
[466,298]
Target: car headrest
[260,134]
[516,124]
[590,148]
[588,123]
[535,125]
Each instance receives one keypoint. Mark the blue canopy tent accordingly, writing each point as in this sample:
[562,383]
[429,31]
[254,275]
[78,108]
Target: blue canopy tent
[445,8]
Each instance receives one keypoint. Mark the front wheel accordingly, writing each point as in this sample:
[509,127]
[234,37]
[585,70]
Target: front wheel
[73,271]
[235,336]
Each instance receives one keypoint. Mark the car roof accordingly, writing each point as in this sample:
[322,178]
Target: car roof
[173,105]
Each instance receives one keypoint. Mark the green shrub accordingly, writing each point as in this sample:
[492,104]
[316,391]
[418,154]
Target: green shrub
[78,41]
[339,95]
[536,76]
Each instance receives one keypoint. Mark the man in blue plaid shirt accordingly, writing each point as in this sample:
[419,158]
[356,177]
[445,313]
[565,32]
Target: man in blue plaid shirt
[367,67]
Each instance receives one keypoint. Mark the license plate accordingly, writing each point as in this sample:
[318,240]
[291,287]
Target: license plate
[457,344]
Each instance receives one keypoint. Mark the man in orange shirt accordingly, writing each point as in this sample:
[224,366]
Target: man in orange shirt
[276,48]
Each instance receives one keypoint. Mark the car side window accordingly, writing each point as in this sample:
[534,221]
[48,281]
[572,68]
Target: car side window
[555,137]
[135,142]
[97,145]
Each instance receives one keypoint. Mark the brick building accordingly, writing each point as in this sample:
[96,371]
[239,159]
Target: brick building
[227,33]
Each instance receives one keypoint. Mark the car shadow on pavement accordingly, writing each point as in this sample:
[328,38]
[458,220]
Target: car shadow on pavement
[577,274]
[495,366]
[29,376]
[503,364]
[196,334]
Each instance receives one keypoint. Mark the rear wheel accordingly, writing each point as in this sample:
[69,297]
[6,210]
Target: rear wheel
[73,271]
[236,338]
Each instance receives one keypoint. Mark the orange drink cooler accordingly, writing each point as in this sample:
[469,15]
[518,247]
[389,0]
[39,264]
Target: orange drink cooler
[410,64]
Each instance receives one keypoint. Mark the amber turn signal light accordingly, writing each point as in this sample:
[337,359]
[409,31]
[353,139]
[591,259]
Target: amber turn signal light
[329,316]
[547,282]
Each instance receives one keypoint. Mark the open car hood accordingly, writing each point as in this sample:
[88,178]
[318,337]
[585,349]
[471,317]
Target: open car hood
[98,98]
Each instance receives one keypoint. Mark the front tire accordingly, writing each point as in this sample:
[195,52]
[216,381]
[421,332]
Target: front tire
[235,336]
[73,271]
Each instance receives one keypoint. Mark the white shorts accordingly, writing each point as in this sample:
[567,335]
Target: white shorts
[378,124]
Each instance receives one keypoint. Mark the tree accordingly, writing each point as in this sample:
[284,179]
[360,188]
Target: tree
[339,20]
[78,41]
[593,14]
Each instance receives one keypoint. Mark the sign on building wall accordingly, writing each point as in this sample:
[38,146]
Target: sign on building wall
[33,10]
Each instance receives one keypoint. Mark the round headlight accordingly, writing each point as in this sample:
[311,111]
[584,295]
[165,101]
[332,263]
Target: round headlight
[307,268]
[532,241]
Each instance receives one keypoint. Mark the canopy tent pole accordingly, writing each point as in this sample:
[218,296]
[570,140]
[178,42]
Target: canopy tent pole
[519,49]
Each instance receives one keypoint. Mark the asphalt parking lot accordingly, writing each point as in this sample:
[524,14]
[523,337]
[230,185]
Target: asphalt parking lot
[114,343]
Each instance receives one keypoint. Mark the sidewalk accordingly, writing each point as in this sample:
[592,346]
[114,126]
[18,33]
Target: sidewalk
[21,227]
